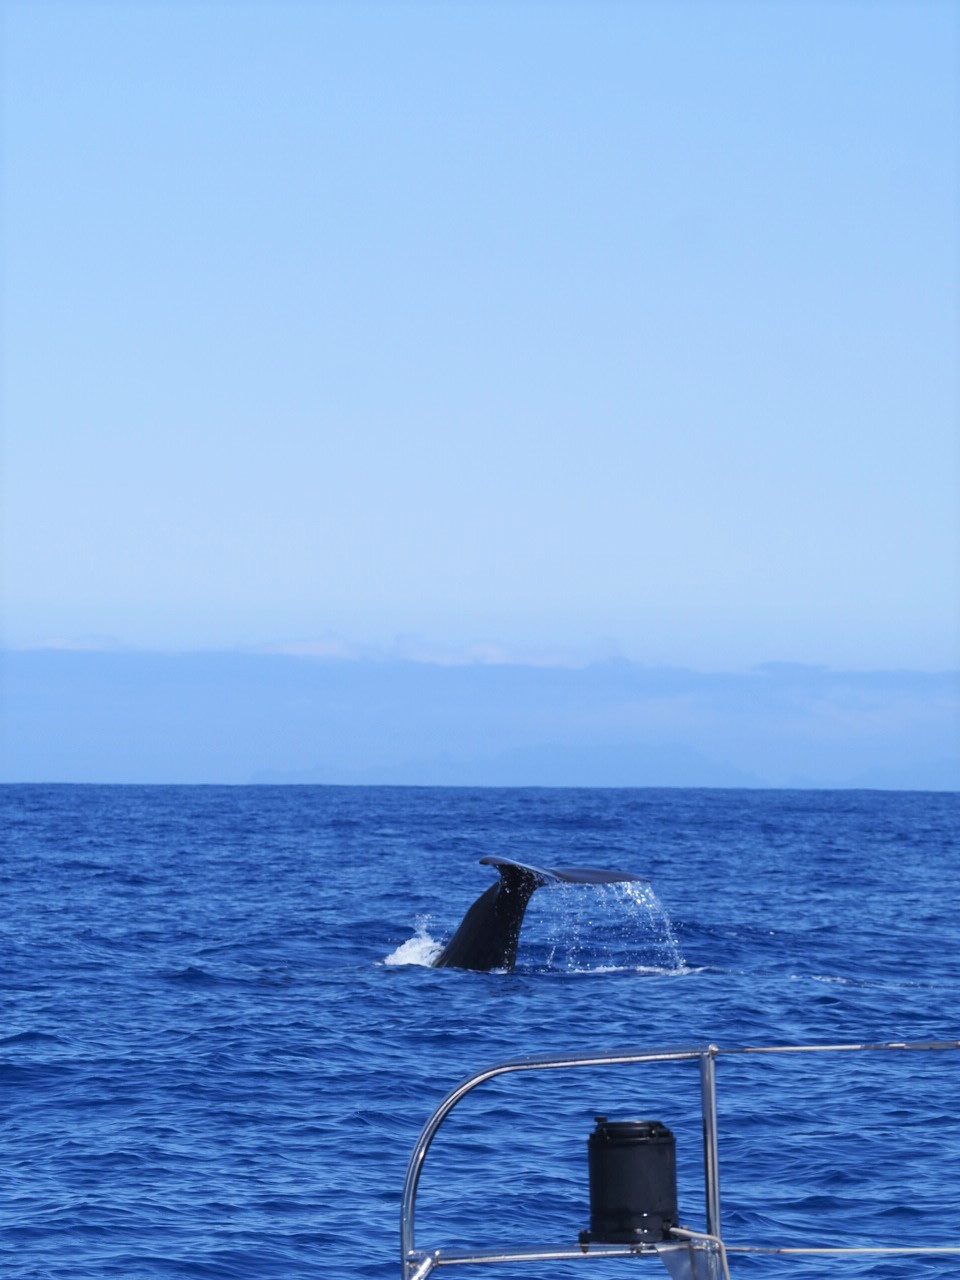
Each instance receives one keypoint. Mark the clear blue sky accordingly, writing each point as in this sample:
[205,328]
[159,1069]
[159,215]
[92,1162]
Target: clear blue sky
[509,328]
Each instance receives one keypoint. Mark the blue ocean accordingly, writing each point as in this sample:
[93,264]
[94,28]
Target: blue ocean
[222,1034]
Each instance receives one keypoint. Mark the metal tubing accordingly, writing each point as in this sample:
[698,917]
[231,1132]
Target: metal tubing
[910,1045]
[718,1250]
[544,1253]
[711,1158]
[413,1264]
[424,1269]
[408,1251]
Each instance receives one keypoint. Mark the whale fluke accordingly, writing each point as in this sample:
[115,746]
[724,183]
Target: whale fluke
[488,934]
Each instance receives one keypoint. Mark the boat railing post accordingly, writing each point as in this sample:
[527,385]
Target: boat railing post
[413,1263]
[711,1162]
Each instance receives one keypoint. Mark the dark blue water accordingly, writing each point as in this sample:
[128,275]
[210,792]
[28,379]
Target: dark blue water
[209,1068]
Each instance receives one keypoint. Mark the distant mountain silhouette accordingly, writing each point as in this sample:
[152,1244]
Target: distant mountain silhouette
[550,765]
[87,716]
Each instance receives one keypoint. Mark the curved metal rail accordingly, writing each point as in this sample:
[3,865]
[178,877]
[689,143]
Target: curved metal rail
[417,1264]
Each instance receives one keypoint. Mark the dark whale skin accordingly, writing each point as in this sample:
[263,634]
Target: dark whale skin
[490,931]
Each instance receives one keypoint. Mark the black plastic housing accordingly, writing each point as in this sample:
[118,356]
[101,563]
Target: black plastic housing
[633,1181]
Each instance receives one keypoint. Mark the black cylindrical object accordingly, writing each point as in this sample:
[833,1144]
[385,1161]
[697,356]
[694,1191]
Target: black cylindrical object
[633,1181]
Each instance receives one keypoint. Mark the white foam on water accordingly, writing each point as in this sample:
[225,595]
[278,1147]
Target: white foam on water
[421,949]
[652,969]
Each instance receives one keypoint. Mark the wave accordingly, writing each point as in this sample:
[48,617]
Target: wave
[29,1037]
[194,974]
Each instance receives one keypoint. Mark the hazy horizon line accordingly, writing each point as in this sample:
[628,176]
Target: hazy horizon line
[483,654]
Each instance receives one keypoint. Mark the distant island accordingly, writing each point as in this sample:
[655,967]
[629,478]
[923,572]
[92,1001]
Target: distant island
[229,717]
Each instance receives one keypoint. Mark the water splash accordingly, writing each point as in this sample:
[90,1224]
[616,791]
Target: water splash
[421,949]
[597,928]
[579,928]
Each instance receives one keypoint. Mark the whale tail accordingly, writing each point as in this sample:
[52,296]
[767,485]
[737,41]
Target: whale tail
[488,934]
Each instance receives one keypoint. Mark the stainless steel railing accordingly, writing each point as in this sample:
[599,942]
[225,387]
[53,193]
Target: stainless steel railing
[417,1264]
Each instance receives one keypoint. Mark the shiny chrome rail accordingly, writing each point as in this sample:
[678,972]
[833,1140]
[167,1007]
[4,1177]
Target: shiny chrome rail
[416,1264]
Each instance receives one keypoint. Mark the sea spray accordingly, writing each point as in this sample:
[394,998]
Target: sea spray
[588,928]
[581,928]
[421,949]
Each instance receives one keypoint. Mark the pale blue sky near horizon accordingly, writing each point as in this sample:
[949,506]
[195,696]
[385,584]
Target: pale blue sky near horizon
[522,330]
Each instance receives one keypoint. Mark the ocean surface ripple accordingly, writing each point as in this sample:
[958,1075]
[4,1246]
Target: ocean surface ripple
[222,1034]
